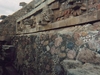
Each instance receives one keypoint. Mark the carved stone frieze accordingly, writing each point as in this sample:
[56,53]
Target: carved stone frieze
[47,13]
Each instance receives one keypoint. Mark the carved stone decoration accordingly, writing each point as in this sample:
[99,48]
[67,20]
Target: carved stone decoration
[34,22]
[28,9]
[22,4]
[30,21]
[20,26]
[46,16]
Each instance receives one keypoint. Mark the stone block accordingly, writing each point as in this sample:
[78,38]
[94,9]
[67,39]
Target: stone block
[71,54]
[87,69]
[88,56]
[62,55]
[58,41]
[71,64]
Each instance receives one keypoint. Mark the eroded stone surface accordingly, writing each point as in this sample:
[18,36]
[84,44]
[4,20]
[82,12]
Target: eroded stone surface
[71,64]
[88,56]
[88,70]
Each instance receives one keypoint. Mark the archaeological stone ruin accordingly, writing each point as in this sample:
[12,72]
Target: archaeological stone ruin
[51,37]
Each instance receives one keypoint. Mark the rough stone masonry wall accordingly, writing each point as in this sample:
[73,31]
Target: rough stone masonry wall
[67,51]
[72,50]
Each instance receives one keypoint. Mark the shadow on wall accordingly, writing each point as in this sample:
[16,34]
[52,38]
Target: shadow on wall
[7,57]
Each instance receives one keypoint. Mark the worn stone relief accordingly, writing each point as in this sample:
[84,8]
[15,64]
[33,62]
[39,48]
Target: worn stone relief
[26,24]
[30,21]
[46,16]
[62,10]
[56,11]
[20,26]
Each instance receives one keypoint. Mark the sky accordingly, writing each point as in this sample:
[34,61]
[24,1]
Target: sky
[8,7]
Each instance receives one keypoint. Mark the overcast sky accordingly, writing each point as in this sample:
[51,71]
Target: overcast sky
[7,7]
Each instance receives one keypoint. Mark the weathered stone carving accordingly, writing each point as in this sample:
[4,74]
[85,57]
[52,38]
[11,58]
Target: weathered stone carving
[3,16]
[71,8]
[47,12]
[78,8]
[46,16]
[30,21]
[29,9]
[93,5]
[34,22]
[20,26]
[22,4]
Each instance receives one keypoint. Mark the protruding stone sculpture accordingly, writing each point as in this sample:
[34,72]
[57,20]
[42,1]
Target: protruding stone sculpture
[46,16]
[3,16]
[22,4]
